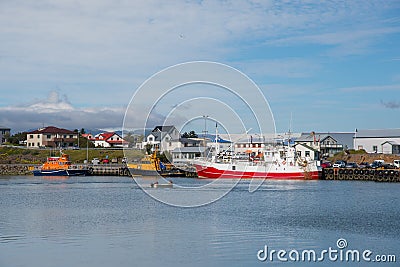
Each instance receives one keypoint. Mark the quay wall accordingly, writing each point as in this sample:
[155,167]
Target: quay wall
[15,169]
[358,174]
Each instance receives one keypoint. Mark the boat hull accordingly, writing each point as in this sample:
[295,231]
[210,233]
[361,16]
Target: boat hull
[214,172]
[141,172]
[73,172]
[170,173]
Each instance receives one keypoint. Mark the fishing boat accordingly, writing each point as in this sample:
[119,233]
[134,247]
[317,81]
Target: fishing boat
[268,165]
[274,163]
[60,166]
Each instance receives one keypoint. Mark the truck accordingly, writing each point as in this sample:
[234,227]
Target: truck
[396,163]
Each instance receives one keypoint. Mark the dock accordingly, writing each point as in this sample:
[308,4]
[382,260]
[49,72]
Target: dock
[108,170]
[362,174]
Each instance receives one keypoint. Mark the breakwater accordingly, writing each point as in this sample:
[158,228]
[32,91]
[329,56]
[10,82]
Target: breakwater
[357,174]
[15,169]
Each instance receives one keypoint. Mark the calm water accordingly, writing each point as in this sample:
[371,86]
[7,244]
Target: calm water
[110,221]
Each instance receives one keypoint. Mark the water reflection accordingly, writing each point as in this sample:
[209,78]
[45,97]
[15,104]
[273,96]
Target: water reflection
[110,221]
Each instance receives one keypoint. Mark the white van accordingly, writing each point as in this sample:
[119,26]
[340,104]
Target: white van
[396,163]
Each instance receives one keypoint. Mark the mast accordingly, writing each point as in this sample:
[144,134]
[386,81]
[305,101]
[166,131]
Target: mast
[216,139]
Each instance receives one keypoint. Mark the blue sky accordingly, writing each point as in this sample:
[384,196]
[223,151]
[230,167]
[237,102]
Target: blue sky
[334,65]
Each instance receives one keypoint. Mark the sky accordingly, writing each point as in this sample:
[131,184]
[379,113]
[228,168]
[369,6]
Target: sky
[321,65]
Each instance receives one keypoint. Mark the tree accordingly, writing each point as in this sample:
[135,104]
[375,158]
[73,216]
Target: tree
[16,138]
[83,131]
[191,134]
[148,148]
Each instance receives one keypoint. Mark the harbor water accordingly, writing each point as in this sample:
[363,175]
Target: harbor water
[109,221]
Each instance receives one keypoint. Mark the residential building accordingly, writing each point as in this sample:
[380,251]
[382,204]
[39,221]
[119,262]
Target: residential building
[4,131]
[163,138]
[51,137]
[109,139]
[88,136]
[378,140]
[325,144]
[390,147]
[306,151]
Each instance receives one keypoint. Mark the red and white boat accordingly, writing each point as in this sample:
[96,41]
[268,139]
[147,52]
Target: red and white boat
[280,163]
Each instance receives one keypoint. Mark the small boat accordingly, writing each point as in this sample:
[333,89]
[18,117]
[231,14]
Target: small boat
[151,165]
[60,166]
[158,185]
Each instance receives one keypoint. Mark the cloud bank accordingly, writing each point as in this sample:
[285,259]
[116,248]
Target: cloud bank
[56,110]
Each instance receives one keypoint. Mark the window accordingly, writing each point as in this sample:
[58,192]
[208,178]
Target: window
[307,153]
[48,136]
[299,153]
[65,136]
[375,148]
[38,144]
[38,136]
[31,136]
[71,136]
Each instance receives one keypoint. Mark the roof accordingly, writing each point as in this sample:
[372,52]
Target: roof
[52,130]
[306,137]
[391,143]
[306,146]
[184,140]
[163,128]
[378,133]
[343,138]
[108,135]
[190,149]
[4,128]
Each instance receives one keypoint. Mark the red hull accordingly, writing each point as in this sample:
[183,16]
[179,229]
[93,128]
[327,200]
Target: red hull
[213,173]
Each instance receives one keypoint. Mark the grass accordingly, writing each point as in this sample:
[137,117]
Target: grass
[18,155]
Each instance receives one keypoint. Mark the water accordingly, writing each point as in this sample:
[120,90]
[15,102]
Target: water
[110,221]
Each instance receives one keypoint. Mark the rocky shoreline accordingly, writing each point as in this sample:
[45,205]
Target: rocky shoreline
[15,169]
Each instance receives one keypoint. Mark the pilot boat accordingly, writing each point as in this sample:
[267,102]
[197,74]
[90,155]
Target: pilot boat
[60,166]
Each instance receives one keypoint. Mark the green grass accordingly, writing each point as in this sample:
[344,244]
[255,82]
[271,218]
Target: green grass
[16,155]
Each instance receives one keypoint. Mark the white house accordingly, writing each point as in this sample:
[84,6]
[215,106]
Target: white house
[109,140]
[163,138]
[325,144]
[306,151]
[378,140]
[390,147]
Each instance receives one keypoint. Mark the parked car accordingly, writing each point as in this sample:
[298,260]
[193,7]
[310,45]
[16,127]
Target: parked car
[351,165]
[95,161]
[339,164]
[363,165]
[377,164]
[105,161]
[326,164]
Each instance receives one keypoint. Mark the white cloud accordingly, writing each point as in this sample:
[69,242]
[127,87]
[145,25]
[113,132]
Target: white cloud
[58,111]
[389,87]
